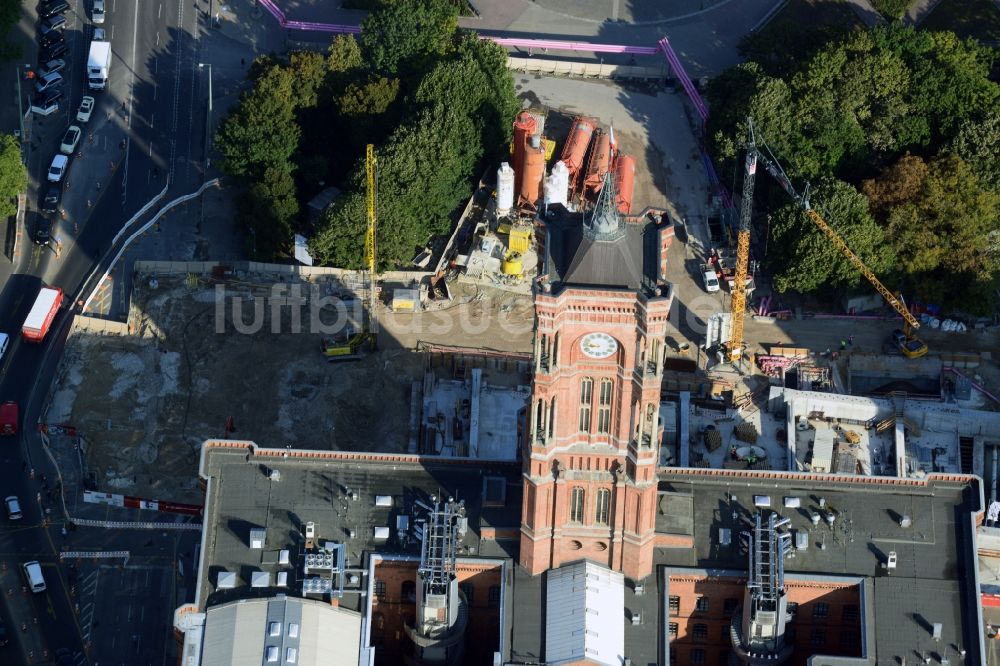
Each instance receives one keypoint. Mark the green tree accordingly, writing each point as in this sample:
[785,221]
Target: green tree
[407,37]
[476,83]
[892,9]
[370,110]
[343,54]
[268,211]
[947,227]
[978,143]
[804,260]
[261,132]
[424,171]
[10,14]
[309,71]
[13,175]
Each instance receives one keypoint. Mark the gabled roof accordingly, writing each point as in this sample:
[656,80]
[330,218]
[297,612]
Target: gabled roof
[584,616]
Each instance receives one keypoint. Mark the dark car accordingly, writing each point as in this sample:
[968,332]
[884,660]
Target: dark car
[53,8]
[51,200]
[47,98]
[52,24]
[4,639]
[56,50]
[43,231]
[64,656]
[50,38]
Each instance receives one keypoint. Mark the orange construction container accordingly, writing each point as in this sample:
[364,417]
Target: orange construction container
[600,159]
[533,171]
[575,148]
[624,182]
[524,127]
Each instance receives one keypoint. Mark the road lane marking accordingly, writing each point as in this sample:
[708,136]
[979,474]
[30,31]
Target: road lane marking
[159,11]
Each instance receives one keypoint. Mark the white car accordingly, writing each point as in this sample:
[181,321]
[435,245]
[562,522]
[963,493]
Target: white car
[711,280]
[58,168]
[100,35]
[86,108]
[97,15]
[13,508]
[70,139]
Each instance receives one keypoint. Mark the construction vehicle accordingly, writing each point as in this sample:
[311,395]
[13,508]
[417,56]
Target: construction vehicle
[911,346]
[349,346]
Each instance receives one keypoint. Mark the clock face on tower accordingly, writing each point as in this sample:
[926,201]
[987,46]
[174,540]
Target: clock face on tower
[598,345]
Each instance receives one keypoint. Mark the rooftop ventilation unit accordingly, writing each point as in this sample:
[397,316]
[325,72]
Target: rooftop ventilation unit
[381,533]
[283,557]
[762,501]
[636,618]
[310,530]
[226,580]
[257,538]
[316,585]
[282,579]
[260,579]
[725,536]
[792,502]
[801,540]
[904,521]
[383,500]
[318,562]
[274,475]
[640,589]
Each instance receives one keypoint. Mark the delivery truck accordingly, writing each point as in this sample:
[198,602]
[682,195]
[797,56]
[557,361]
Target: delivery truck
[42,313]
[98,65]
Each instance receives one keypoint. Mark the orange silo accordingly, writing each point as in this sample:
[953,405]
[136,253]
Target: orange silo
[624,182]
[575,148]
[600,158]
[525,126]
[532,172]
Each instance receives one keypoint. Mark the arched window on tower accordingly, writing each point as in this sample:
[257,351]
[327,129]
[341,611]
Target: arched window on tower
[603,506]
[576,502]
[586,400]
[604,407]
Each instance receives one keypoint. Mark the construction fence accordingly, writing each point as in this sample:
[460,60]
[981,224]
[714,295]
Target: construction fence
[590,70]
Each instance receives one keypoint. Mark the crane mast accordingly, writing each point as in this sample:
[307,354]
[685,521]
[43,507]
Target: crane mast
[370,238]
[739,302]
[738,305]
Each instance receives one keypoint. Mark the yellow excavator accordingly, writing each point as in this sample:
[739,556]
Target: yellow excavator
[348,347]
[905,340]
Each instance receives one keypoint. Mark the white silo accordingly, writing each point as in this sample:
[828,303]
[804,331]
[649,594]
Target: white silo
[557,184]
[505,189]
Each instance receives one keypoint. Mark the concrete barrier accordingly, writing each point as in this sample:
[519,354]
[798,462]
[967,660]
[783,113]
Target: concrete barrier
[84,323]
[590,70]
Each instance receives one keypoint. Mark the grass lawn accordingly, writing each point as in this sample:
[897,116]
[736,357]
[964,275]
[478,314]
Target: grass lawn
[966,18]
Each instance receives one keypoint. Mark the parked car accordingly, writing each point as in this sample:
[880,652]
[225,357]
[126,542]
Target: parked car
[52,8]
[52,24]
[46,103]
[86,108]
[52,37]
[43,231]
[54,65]
[4,638]
[97,13]
[52,199]
[100,35]
[13,507]
[57,50]
[48,81]
[70,139]
[58,168]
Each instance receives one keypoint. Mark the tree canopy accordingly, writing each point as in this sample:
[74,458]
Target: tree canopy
[13,175]
[899,119]
[434,100]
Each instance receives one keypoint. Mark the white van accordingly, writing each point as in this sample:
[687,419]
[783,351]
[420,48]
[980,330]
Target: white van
[33,574]
[711,281]
[4,341]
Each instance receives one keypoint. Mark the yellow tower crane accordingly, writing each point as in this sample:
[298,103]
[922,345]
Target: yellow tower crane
[346,348]
[910,345]
[370,238]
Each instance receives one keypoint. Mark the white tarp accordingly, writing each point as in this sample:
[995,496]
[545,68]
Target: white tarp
[302,250]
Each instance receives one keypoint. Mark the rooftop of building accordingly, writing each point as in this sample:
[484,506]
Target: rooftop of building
[935,574]
[363,503]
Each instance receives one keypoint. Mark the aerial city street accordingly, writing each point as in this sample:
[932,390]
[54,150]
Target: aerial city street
[482,332]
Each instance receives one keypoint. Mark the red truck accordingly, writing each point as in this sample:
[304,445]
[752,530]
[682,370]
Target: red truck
[42,313]
[8,418]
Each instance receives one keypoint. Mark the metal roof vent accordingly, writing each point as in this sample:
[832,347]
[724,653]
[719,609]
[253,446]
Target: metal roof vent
[283,557]
[831,518]
[640,589]
[226,580]
[762,500]
[905,521]
[792,502]
[260,579]
[282,579]
[275,475]
[636,618]
[814,517]
[257,535]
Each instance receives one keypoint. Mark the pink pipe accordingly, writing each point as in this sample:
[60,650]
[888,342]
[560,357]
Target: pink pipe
[975,386]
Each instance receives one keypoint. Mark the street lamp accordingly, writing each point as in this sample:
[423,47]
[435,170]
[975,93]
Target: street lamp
[208,118]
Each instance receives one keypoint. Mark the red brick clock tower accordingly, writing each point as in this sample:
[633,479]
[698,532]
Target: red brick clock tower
[592,446]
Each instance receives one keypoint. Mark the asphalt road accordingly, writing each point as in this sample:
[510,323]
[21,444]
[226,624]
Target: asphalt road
[156,101]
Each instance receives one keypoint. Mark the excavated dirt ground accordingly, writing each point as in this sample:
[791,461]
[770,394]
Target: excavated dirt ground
[143,405]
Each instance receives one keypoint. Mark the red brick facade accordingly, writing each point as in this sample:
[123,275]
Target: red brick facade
[827,618]
[593,430]
[393,605]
